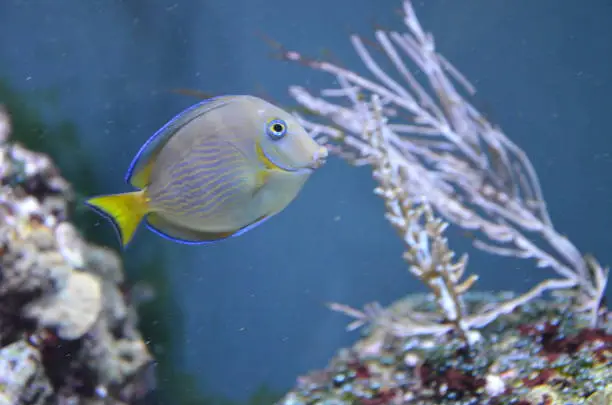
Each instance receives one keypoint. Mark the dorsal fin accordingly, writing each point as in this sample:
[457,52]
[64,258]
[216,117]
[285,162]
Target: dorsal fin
[140,169]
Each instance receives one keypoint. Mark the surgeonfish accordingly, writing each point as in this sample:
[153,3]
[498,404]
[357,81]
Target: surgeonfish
[216,170]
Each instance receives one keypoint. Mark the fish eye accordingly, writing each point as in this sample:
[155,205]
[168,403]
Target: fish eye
[276,129]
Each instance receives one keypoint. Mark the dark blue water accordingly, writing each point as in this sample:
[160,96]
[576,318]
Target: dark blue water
[253,307]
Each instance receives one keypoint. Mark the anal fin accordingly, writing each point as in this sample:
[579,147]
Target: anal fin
[180,234]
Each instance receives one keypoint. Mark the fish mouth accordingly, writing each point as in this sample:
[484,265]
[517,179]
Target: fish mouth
[315,164]
[319,158]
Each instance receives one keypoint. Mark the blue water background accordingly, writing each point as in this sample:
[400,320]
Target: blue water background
[253,307]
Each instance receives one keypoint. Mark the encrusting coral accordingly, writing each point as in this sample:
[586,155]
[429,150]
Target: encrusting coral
[536,355]
[67,334]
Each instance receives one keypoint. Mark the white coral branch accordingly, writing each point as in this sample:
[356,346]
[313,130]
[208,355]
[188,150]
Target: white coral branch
[467,169]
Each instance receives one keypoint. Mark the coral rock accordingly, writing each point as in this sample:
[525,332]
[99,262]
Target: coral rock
[534,355]
[73,310]
[67,334]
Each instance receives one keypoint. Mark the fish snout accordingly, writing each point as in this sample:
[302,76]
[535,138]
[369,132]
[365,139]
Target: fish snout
[319,158]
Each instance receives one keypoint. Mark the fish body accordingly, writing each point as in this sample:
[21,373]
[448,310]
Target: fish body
[216,170]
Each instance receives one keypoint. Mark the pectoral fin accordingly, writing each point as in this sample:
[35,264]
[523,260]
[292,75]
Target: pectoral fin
[261,179]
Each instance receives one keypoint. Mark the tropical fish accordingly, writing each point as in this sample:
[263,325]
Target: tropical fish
[216,170]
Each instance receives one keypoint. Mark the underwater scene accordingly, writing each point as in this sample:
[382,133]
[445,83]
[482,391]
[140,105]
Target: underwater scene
[348,202]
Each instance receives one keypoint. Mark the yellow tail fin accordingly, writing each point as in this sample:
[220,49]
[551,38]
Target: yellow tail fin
[125,210]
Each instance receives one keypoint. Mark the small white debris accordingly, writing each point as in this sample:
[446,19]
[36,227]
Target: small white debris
[494,385]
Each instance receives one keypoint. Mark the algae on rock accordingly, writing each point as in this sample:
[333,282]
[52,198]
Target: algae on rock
[534,355]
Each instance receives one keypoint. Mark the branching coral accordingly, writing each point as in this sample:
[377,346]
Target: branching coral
[433,148]
[427,250]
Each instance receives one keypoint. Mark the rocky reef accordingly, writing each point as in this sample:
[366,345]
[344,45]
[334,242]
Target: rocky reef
[67,332]
[540,354]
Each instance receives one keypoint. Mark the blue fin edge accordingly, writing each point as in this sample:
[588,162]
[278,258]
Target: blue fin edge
[207,242]
[152,138]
